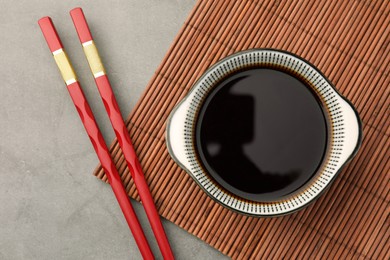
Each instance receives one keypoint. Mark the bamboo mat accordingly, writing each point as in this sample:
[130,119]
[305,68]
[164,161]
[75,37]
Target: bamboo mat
[349,42]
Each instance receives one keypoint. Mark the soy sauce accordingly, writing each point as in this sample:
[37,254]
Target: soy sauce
[261,134]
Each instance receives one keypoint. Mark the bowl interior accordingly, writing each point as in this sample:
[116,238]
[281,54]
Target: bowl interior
[261,133]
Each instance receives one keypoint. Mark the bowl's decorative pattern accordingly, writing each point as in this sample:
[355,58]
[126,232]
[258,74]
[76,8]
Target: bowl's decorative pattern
[343,137]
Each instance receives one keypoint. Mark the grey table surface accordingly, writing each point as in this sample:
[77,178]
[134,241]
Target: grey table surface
[51,207]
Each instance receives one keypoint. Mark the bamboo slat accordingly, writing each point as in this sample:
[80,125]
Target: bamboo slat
[349,42]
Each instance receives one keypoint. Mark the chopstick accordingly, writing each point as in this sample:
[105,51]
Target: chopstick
[86,115]
[121,132]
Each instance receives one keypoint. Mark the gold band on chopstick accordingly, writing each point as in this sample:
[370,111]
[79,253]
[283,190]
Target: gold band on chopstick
[64,66]
[93,58]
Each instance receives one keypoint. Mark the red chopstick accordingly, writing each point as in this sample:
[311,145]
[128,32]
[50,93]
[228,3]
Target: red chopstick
[121,132]
[93,131]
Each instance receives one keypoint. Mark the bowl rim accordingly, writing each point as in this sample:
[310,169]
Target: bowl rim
[319,194]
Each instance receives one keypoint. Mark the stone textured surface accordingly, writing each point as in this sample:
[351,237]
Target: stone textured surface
[51,207]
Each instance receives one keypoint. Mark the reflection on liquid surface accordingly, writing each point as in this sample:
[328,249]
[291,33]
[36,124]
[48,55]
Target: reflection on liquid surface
[261,134]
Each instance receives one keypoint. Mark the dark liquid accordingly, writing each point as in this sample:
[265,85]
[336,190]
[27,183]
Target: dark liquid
[261,134]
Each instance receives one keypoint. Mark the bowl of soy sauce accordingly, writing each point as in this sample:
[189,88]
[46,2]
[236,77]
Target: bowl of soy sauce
[263,132]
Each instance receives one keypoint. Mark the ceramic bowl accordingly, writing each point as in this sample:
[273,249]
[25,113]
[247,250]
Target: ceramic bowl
[344,133]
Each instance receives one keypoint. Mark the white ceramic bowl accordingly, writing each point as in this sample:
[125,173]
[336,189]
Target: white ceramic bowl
[344,134]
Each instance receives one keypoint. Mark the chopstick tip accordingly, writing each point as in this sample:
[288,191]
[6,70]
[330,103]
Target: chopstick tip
[50,33]
[75,10]
[44,19]
[80,24]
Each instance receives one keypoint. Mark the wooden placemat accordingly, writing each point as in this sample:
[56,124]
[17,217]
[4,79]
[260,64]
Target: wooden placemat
[349,42]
